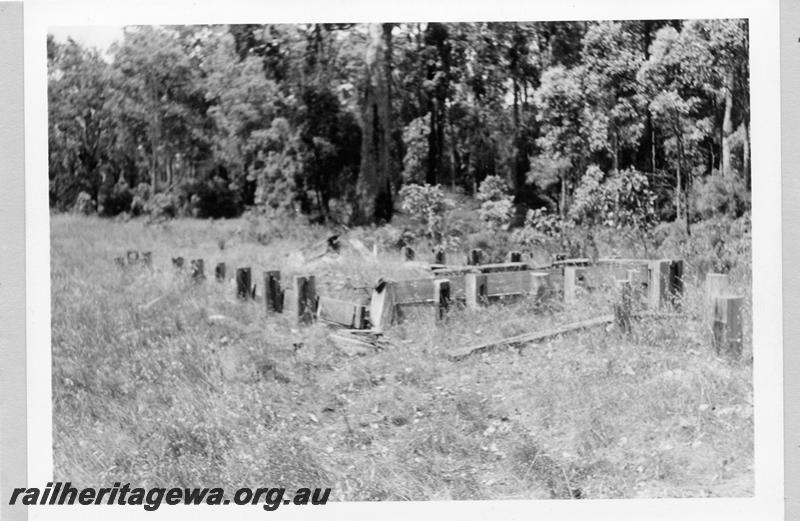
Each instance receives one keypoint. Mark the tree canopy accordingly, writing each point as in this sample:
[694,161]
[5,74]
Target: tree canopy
[332,120]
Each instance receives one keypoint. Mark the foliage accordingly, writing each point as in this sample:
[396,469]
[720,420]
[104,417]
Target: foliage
[497,205]
[621,199]
[428,206]
[163,205]
[84,204]
[294,117]
[717,195]
[114,198]
[415,141]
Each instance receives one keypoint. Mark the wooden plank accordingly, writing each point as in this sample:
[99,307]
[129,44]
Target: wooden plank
[460,354]
[198,270]
[717,284]
[475,290]
[305,293]
[447,271]
[658,285]
[573,262]
[514,256]
[441,295]
[727,326]
[382,305]
[413,291]
[273,295]
[475,257]
[539,284]
[572,277]
[341,312]
[243,284]
[508,283]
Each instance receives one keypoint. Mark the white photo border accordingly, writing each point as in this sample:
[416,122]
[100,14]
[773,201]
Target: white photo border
[767,502]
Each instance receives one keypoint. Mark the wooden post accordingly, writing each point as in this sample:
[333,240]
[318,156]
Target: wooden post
[147,258]
[198,273]
[441,300]
[727,325]
[243,283]
[408,253]
[475,257]
[658,283]
[716,285]
[133,257]
[676,282]
[381,306]
[439,256]
[219,272]
[572,274]
[177,262]
[305,293]
[540,284]
[475,290]
[273,296]
[514,256]
[623,306]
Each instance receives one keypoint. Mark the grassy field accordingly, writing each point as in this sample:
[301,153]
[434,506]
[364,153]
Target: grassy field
[150,388]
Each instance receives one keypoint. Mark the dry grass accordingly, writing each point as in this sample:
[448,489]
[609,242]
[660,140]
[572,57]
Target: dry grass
[166,395]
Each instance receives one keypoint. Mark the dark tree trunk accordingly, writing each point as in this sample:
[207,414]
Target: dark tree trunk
[374,182]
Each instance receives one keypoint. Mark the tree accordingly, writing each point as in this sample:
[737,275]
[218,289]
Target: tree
[374,182]
[79,120]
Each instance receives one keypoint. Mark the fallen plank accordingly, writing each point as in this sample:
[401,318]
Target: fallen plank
[460,354]
[525,338]
[340,312]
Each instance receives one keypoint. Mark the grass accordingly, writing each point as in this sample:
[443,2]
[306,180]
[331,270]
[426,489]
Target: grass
[148,388]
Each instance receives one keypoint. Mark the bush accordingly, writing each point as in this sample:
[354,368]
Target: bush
[415,141]
[720,195]
[497,205]
[141,194]
[114,199]
[427,205]
[212,197]
[620,199]
[84,204]
[162,206]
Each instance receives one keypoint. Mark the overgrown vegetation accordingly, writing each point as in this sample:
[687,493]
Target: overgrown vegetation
[160,381]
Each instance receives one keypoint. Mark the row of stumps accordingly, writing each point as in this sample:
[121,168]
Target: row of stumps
[304,294]
[134,258]
[475,257]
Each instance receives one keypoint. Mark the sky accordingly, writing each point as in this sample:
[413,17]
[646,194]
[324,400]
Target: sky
[100,37]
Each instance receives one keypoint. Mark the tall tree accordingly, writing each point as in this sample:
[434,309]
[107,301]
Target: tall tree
[374,182]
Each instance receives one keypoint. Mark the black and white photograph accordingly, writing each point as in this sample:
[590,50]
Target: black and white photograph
[404,261]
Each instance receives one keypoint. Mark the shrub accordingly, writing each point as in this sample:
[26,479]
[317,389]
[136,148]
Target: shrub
[84,204]
[497,206]
[141,194]
[415,139]
[212,197]
[115,198]
[427,205]
[621,199]
[162,206]
[720,195]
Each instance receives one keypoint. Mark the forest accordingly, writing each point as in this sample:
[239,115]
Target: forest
[548,124]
